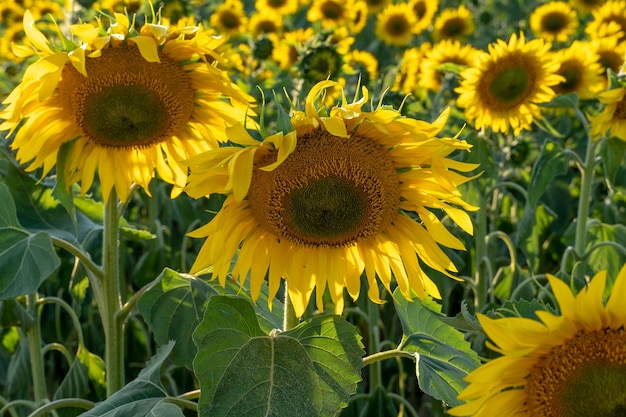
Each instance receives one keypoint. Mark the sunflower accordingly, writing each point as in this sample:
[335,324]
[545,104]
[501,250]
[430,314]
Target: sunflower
[454,23]
[424,11]
[364,64]
[572,364]
[501,90]
[359,17]
[336,196]
[581,70]
[229,18]
[120,103]
[586,6]
[320,63]
[611,14]
[265,22]
[287,50]
[119,6]
[279,7]
[613,117]
[610,52]
[394,26]
[447,51]
[332,13]
[376,6]
[555,21]
[408,75]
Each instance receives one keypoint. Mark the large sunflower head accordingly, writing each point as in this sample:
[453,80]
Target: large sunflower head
[567,365]
[501,90]
[394,26]
[350,192]
[555,21]
[120,102]
[454,23]
[581,70]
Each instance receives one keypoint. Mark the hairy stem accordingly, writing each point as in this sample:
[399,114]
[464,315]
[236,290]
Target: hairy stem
[113,326]
[36,355]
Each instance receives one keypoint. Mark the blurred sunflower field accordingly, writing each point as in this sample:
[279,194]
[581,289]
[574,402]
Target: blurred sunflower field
[313,208]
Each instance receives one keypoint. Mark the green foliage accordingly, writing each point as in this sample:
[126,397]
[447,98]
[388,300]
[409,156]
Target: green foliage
[443,357]
[309,370]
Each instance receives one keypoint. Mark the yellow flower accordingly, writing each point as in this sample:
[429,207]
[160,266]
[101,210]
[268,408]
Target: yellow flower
[586,6]
[611,16]
[447,51]
[353,193]
[501,90]
[122,103]
[454,23]
[555,21]
[364,64]
[613,117]
[394,26]
[572,364]
[332,13]
[288,48]
[611,52]
[279,7]
[581,70]
[265,22]
[229,18]
[376,6]
[408,76]
[424,11]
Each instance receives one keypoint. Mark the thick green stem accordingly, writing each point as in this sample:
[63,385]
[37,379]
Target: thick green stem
[481,280]
[113,326]
[290,320]
[375,371]
[36,355]
[587,172]
[387,354]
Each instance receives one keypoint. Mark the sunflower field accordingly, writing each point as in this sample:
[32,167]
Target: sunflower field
[313,208]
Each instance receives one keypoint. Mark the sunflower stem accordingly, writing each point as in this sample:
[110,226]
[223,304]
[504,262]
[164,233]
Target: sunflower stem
[375,370]
[587,172]
[113,324]
[36,354]
[290,320]
[481,280]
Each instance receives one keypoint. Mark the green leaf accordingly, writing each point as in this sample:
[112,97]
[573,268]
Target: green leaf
[174,306]
[521,308]
[551,163]
[8,214]
[613,153]
[606,256]
[25,261]
[142,397]
[310,370]
[531,233]
[443,357]
[562,101]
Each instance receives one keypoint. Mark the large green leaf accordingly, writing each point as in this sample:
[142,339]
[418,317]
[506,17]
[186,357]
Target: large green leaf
[310,370]
[25,261]
[174,306]
[443,357]
[8,213]
[142,397]
[607,256]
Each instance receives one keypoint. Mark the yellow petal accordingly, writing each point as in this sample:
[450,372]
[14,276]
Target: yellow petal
[147,47]
[36,37]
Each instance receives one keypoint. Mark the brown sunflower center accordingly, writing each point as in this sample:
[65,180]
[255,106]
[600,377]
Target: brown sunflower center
[277,3]
[419,7]
[572,74]
[229,20]
[610,59]
[509,85]
[554,22]
[583,377]
[125,101]
[332,10]
[330,191]
[397,26]
[453,28]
